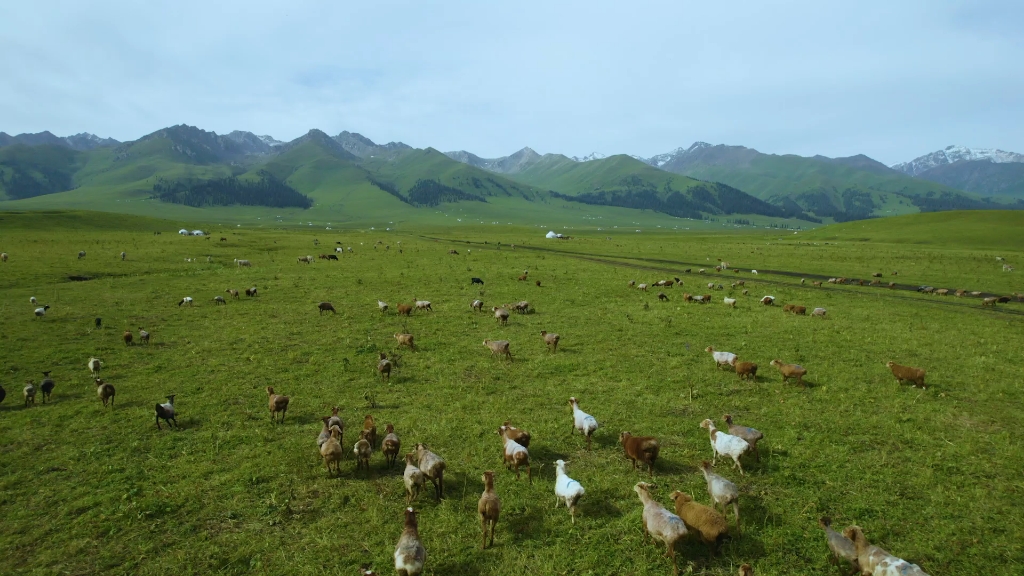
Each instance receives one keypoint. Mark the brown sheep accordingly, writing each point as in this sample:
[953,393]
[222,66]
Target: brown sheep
[390,445]
[233,293]
[550,340]
[704,520]
[942,291]
[499,347]
[384,368]
[404,310]
[662,297]
[127,336]
[370,428]
[489,508]
[643,449]
[515,454]
[787,308]
[817,284]
[326,307]
[892,285]
[106,392]
[876,275]
[687,297]
[277,403]
[746,570]
[791,371]
[906,373]
[522,437]
[537,283]
[500,315]
[800,310]
[363,450]
[746,370]
[522,277]
[406,340]
[751,435]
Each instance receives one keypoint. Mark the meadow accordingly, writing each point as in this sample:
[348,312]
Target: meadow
[931,475]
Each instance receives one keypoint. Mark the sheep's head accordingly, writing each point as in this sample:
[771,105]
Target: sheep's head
[855,534]
[728,419]
[389,428]
[707,424]
[705,465]
[776,362]
[709,349]
[889,364]
[270,390]
[824,522]
[410,458]
[746,570]
[573,402]
[488,478]
[335,431]
[643,488]
[678,497]
[421,447]
[623,436]
[368,421]
[410,517]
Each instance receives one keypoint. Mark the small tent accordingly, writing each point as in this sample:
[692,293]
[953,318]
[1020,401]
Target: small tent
[552,234]
[183,232]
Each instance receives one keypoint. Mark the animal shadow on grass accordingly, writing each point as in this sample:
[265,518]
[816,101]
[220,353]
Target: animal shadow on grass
[456,567]
[596,503]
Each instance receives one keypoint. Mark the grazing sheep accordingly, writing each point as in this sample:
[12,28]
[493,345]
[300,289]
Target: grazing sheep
[455,252]
[476,305]
[326,307]
[29,392]
[521,307]
[643,449]
[33,300]
[662,297]
[413,477]
[891,285]
[567,490]
[81,254]
[746,370]
[768,300]
[975,294]
[384,368]
[550,340]
[41,311]
[642,287]
[687,297]
[632,283]
[787,307]
[390,446]
[991,301]
[489,508]
[167,412]
[730,302]
[251,291]
[105,392]
[233,293]
[94,365]
[499,347]
[725,444]
[243,263]
[722,358]
[423,305]
[790,371]
[751,435]
[746,292]
[816,283]
[363,450]
[47,386]
[876,561]
[942,291]
[3,256]
[404,310]
[433,467]
[332,452]
[819,312]
[721,491]
[582,421]
[127,337]
[704,520]
[277,403]
[906,373]
[475,280]
[219,300]
[406,340]
[123,256]
[185,300]
[370,427]
[842,548]
[701,271]
[515,454]
[382,306]
[410,555]
[305,259]
[660,524]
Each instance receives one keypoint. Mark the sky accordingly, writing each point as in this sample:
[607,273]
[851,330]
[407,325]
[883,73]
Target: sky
[890,79]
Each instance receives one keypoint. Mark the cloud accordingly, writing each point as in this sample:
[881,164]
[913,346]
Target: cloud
[888,79]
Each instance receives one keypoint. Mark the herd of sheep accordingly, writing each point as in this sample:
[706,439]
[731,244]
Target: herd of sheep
[660,524]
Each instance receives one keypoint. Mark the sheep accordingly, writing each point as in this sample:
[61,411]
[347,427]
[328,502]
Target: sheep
[3,394]
[750,435]
[915,375]
[704,520]
[3,256]
[745,370]
[455,252]
[423,305]
[642,449]
[642,287]
[475,280]
[476,305]
[521,307]
[185,300]
[567,490]
[819,312]
[816,284]
[382,306]
[167,412]
[332,452]
[413,478]
[384,368]
[701,271]
[305,259]
[799,310]
[277,403]
[754,272]
[746,570]
[991,301]
[41,311]
[81,254]
[406,340]
[891,285]
[251,292]
[390,446]
[127,337]
[876,561]
[499,347]
[725,444]
[537,283]
[29,392]
[632,283]
[370,427]
[339,250]
[746,292]
[942,291]
[730,302]
[550,340]
[722,358]
[433,467]
[787,307]
[687,297]
[660,524]
[326,307]
[233,293]
[522,277]
[489,508]
[219,300]
[105,392]
[582,421]
[842,547]
[243,263]
[515,454]
[790,371]
[325,432]
[32,299]
[721,491]
[363,450]
[123,256]
[94,365]
[404,310]
[975,294]
[410,555]
[521,437]
[768,300]
[662,297]
[47,386]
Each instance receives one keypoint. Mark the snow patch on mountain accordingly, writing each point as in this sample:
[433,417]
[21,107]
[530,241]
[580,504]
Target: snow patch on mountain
[270,140]
[953,154]
[589,157]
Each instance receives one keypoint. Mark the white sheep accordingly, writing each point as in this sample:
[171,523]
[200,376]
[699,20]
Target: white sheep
[725,444]
[754,272]
[382,306]
[722,491]
[33,300]
[582,421]
[186,300]
[659,523]
[41,311]
[768,300]
[819,312]
[722,358]
[423,305]
[94,365]
[731,302]
[566,489]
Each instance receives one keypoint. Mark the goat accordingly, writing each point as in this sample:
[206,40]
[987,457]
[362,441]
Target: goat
[550,340]
[390,445]
[499,347]
[582,421]
[642,449]
[660,524]
[410,555]
[167,412]
[489,508]
[277,403]
[326,307]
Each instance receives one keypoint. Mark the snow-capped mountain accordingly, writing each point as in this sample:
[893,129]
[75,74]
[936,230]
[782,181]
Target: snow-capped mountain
[363,147]
[589,157]
[511,164]
[270,140]
[661,159]
[953,154]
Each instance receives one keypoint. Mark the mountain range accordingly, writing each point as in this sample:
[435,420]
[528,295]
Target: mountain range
[352,177]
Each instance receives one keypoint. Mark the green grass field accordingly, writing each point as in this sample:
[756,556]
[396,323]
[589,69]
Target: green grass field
[932,476]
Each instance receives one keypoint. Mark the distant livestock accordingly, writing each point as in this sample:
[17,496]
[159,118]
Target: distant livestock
[243,263]
[81,254]
[476,280]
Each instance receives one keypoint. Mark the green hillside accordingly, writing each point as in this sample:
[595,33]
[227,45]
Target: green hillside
[975,229]
[27,171]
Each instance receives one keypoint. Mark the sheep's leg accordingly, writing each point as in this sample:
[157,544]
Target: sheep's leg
[483,528]
[672,554]
[588,441]
[529,473]
[440,482]
[494,524]
[736,512]
[757,452]
[736,460]
[572,513]
[158,422]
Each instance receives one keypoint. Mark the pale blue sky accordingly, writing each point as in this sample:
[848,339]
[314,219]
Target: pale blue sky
[892,79]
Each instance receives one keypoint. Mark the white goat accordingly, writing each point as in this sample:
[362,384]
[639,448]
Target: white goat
[566,489]
[726,444]
[582,421]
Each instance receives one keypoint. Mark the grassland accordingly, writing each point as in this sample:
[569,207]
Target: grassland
[931,475]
